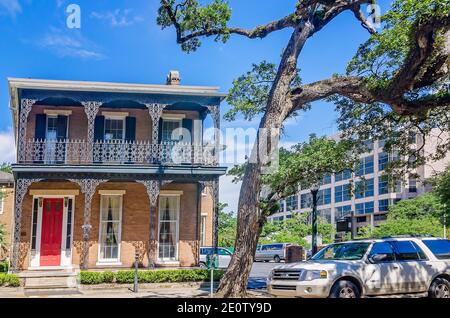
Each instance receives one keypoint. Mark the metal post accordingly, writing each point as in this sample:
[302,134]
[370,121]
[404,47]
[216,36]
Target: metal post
[212,282]
[353,225]
[136,266]
[314,193]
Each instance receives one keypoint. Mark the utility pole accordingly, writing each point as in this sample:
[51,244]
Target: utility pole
[314,192]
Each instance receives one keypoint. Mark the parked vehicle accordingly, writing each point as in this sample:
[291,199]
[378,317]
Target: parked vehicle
[271,252]
[401,265]
[224,256]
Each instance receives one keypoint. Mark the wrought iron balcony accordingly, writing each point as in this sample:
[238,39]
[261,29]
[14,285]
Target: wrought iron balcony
[80,152]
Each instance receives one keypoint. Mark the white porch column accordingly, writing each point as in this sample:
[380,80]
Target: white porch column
[88,188]
[91,109]
[25,109]
[21,188]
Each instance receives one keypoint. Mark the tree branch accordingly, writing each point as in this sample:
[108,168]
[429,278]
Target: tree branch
[364,22]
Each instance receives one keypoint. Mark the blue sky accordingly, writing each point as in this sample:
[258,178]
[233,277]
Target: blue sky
[119,41]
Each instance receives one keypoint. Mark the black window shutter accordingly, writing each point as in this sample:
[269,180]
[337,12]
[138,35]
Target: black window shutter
[130,129]
[99,128]
[160,130]
[41,126]
[187,124]
[62,127]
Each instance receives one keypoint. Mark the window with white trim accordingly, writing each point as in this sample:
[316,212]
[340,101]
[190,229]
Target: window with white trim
[169,126]
[114,129]
[110,228]
[168,228]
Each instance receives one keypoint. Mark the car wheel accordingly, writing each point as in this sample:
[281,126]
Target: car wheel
[345,289]
[203,265]
[440,288]
[277,259]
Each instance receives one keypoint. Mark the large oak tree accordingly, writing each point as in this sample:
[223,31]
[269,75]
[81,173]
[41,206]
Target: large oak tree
[398,79]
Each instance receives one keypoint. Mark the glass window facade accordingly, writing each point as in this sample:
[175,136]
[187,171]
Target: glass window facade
[324,197]
[383,205]
[364,189]
[292,203]
[343,211]
[344,175]
[342,193]
[383,160]
[364,208]
[383,185]
[365,166]
[305,200]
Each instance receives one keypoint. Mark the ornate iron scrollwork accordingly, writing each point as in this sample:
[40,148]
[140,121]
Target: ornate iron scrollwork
[25,109]
[155,111]
[21,189]
[88,188]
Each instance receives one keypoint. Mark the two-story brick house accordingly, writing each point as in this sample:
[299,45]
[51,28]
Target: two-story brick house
[107,171]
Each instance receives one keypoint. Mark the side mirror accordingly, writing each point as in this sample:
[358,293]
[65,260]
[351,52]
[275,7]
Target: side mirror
[377,258]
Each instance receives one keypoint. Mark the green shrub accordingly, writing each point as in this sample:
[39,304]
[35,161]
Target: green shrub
[91,278]
[157,276]
[9,280]
[108,277]
[4,267]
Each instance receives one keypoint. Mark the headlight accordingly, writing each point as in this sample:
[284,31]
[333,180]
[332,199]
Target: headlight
[308,275]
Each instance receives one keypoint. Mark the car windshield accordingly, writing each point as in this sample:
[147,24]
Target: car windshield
[342,251]
[440,248]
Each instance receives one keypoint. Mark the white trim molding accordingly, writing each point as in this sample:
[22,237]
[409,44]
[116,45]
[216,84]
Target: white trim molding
[172,193]
[115,115]
[166,116]
[112,192]
[59,193]
[56,112]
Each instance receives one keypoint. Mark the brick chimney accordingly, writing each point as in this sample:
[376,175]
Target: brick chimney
[173,78]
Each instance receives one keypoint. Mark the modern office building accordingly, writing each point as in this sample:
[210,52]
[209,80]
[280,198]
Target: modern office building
[372,193]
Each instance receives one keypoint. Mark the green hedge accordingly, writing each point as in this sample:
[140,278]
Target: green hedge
[9,280]
[156,276]
[4,267]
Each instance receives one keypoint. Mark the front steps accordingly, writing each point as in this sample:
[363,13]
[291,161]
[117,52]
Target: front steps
[55,280]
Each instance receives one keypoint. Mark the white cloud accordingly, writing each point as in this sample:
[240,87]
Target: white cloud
[118,17]
[11,7]
[73,45]
[7,146]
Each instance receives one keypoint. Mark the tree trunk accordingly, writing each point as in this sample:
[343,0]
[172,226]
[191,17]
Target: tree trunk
[250,217]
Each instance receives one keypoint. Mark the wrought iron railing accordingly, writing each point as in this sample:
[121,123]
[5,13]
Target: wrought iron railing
[78,152]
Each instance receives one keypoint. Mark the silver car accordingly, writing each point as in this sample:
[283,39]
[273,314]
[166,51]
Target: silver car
[401,265]
[271,252]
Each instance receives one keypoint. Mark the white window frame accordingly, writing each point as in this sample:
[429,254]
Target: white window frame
[118,117]
[177,245]
[102,262]
[66,255]
[174,120]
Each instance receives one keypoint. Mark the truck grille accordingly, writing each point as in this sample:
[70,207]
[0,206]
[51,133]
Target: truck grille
[282,287]
[280,274]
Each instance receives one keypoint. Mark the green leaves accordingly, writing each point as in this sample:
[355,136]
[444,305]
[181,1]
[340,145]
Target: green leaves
[307,163]
[250,92]
[191,18]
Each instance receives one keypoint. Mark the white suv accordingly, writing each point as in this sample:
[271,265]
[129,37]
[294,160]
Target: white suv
[353,269]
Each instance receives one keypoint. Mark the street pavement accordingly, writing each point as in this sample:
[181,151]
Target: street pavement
[259,273]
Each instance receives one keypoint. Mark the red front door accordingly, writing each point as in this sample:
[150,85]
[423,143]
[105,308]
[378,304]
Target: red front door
[51,233]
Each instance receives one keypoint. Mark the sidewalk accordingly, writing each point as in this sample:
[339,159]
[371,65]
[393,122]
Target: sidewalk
[145,291]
